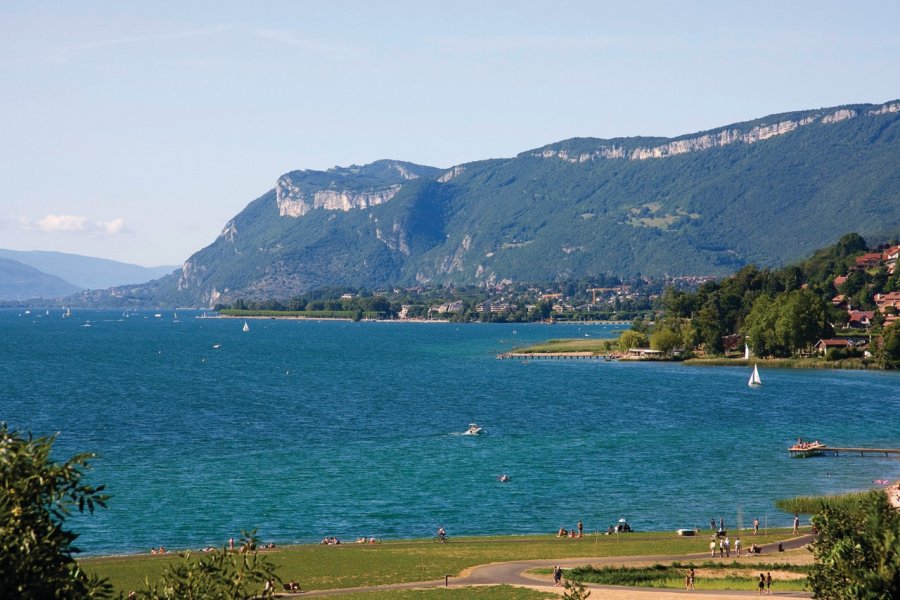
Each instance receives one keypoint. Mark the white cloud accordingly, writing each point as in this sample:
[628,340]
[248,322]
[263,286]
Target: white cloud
[74,224]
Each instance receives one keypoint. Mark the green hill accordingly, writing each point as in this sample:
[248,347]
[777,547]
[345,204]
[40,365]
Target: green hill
[19,281]
[767,192]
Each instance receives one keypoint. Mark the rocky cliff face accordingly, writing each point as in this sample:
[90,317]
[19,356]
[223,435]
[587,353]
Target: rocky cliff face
[723,137]
[293,202]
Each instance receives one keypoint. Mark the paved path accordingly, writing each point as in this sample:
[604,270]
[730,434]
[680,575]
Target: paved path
[513,573]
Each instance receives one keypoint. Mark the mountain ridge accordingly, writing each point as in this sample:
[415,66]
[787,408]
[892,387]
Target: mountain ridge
[19,281]
[767,191]
[85,271]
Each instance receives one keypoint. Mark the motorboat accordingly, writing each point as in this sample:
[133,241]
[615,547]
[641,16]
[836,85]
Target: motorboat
[474,429]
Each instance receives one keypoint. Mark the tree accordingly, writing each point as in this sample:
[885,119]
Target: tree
[890,347]
[666,335]
[857,551]
[632,339]
[36,496]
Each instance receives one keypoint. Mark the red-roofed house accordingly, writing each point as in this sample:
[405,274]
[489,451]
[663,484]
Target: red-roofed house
[839,301]
[868,260]
[883,301]
[839,281]
[860,319]
[823,346]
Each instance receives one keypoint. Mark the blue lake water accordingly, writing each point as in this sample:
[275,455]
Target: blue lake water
[303,429]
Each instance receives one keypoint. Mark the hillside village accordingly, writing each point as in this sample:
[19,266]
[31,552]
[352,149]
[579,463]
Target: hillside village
[886,311]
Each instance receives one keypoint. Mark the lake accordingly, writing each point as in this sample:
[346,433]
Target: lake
[304,429]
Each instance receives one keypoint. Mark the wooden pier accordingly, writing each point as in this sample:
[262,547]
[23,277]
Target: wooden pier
[555,356]
[824,450]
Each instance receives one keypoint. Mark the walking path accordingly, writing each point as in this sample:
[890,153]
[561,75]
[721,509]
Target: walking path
[513,573]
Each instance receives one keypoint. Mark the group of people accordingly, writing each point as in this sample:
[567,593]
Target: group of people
[330,541]
[160,550]
[765,583]
[725,547]
[619,528]
[577,531]
[366,540]
[801,445]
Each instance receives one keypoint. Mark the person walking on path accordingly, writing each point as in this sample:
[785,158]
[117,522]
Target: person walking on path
[722,524]
[689,580]
[580,529]
[712,525]
[755,525]
[769,582]
[762,583]
[557,576]
[737,546]
[721,548]
[796,523]
[727,547]
[712,548]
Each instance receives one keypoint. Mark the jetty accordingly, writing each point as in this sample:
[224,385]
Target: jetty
[555,355]
[807,450]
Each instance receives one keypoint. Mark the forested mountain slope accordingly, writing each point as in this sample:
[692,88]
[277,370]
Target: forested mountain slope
[767,191]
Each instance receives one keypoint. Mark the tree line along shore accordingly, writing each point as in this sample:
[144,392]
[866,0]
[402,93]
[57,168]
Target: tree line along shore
[836,309]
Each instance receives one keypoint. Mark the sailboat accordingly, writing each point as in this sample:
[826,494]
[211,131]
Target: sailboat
[246,327]
[754,378]
[746,352]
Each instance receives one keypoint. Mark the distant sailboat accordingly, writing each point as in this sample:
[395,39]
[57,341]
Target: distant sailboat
[246,327]
[746,352]
[754,378]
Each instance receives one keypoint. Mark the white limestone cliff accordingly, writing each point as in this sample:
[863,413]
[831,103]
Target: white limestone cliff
[293,202]
[724,137]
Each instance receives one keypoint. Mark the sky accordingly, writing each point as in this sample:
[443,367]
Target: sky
[135,130]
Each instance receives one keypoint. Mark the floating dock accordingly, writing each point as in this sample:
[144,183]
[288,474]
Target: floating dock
[824,450]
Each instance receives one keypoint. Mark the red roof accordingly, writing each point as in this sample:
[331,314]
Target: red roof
[833,343]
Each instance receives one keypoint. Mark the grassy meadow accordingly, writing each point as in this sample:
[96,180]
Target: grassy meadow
[351,565]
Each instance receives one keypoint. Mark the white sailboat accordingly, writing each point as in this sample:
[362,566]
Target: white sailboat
[246,327]
[754,378]
[746,352]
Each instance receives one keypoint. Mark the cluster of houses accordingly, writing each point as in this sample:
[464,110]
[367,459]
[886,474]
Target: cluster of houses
[601,298]
[887,304]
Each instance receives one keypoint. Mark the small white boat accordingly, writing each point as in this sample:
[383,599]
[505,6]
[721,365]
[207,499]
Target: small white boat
[754,378]
[246,327]
[473,429]
[217,346]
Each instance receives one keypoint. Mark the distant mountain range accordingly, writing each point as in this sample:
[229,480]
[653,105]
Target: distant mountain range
[40,274]
[766,191]
[18,281]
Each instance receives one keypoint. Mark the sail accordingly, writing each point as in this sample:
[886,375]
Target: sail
[246,327]
[746,351]
[754,378]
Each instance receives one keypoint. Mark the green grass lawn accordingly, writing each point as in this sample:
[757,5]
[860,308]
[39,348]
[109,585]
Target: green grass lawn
[595,346]
[710,575]
[352,565]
